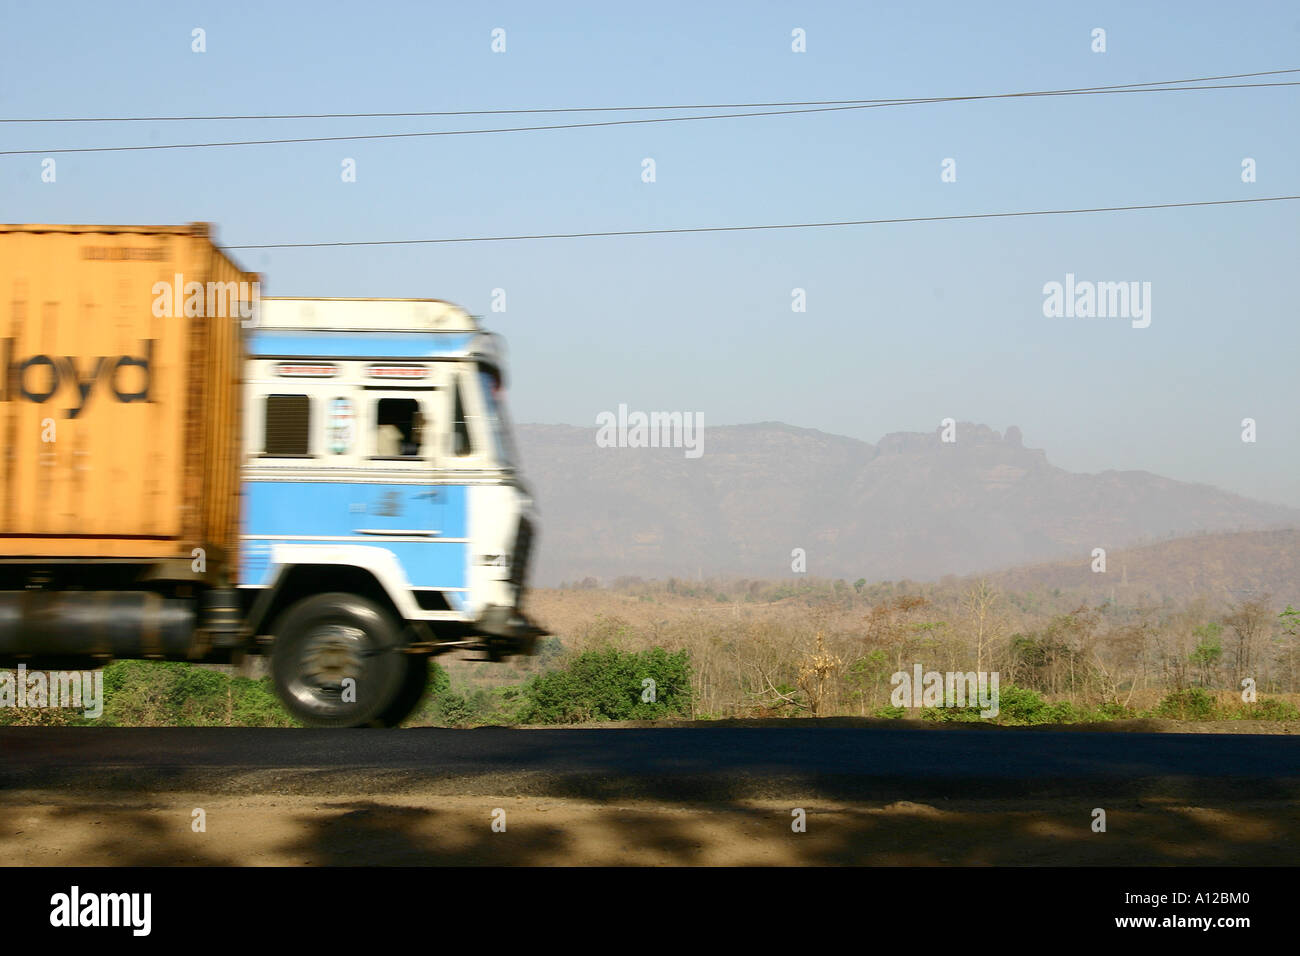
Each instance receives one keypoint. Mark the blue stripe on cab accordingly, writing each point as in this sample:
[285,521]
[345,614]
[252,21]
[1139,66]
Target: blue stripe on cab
[412,345]
[303,509]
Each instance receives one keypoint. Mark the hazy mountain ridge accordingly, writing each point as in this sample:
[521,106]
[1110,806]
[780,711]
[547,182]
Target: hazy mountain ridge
[910,506]
[1226,568]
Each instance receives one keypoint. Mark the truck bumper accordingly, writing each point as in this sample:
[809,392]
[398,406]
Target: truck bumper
[508,628]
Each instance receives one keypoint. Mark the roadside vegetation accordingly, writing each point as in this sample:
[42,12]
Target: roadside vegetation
[712,650]
[831,648]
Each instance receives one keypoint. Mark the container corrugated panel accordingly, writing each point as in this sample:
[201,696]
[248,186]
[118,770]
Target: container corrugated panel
[119,398]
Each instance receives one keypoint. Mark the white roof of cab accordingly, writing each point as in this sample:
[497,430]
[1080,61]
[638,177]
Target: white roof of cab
[369,315]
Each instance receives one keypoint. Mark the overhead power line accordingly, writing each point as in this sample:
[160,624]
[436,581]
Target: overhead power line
[630,122]
[623,109]
[756,228]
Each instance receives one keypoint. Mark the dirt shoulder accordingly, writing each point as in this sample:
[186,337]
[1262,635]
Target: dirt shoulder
[40,829]
[976,796]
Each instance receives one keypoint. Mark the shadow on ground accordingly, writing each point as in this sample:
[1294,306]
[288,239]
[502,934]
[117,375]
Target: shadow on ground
[565,828]
[645,798]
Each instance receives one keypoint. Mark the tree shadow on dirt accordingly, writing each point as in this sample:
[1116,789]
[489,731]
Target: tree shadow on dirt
[572,824]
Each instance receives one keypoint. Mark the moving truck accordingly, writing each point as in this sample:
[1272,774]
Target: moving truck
[189,471]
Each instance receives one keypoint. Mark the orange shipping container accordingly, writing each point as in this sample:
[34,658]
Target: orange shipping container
[121,358]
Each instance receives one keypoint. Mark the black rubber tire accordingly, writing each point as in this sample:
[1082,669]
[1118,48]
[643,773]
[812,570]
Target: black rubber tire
[357,636]
[414,684]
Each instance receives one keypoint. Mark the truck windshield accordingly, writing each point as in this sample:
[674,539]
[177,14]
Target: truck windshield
[494,400]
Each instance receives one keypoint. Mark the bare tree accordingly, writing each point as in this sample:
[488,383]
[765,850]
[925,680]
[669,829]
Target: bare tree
[1289,621]
[1250,621]
[980,602]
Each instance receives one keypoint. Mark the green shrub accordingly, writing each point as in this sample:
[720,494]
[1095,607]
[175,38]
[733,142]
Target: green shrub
[1016,705]
[1113,710]
[442,706]
[952,714]
[1195,703]
[177,694]
[439,680]
[1063,712]
[1019,705]
[1270,708]
[451,709]
[608,685]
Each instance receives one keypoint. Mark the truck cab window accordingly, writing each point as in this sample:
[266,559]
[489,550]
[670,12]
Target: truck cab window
[462,446]
[398,428]
[288,426]
[498,424]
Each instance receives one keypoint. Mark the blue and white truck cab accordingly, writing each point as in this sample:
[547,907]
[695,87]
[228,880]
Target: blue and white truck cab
[384,513]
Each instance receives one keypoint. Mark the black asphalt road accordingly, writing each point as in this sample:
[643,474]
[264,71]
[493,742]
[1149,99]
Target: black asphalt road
[677,763]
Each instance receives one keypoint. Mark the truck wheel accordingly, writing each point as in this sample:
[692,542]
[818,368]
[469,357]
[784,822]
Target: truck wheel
[414,683]
[337,661]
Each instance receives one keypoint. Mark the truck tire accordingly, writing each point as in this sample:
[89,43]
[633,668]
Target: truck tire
[325,640]
[409,695]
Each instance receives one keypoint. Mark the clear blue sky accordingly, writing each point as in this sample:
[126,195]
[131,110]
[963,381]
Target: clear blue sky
[906,324]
